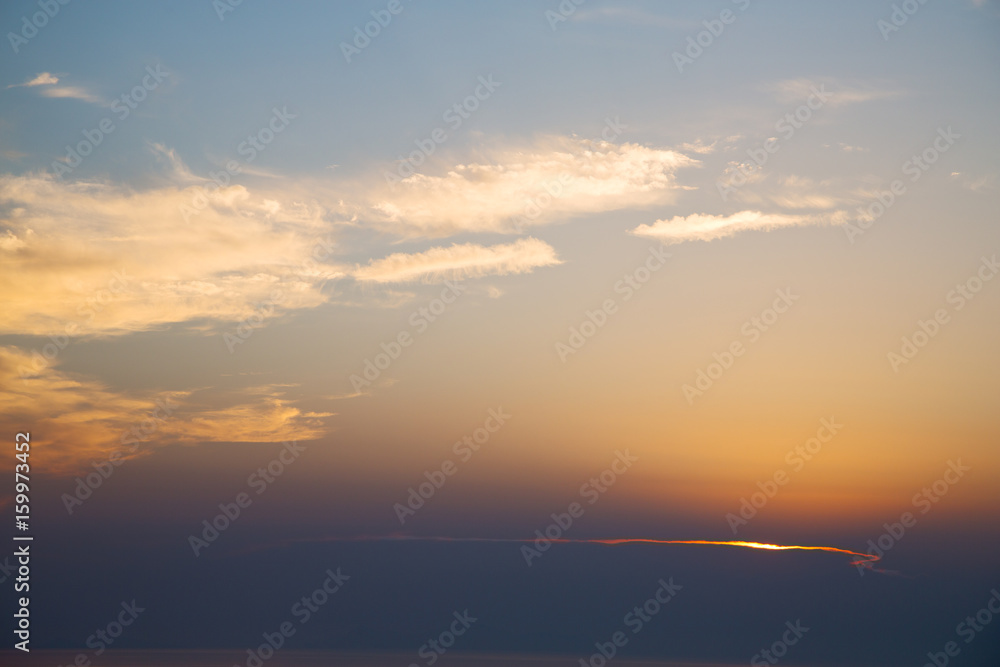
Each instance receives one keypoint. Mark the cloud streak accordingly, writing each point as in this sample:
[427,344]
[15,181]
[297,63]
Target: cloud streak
[455,262]
[702,227]
[53,89]
[556,179]
[84,421]
[790,91]
[42,79]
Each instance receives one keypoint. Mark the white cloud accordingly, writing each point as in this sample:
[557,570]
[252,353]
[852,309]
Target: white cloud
[701,227]
[62,245]
[73,92]
[456,262]
[701,148]
[57,91]
[557,179]
[43,79]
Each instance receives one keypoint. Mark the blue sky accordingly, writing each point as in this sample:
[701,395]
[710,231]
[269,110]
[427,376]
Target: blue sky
[258,216]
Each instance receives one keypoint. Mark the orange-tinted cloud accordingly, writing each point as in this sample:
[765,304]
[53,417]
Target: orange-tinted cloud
[77,421]
[555,179]
[468,260]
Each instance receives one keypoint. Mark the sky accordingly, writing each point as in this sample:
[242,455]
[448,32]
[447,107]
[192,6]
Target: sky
[363,295]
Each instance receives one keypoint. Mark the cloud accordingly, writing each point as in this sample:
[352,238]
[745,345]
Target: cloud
[557,179]
[179,172]
[49,79]
[456,262]
[85,422]
[976,184]
[99,259]
[96,259]
[789,191]
[43,79]
[792,91]
[701,227]
[73,92]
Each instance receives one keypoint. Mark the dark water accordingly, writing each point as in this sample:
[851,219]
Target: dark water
[304,659]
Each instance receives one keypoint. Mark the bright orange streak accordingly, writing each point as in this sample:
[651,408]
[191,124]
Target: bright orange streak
[863,559]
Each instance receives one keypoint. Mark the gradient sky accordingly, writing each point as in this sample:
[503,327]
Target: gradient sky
[262,211]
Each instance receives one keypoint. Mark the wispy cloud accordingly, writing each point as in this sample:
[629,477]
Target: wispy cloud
[73,92]
[63,244]
[455,262]
[53,89]
[841,93]
[556,179]
[986,181]
[179,171]
[42,79]
[701,227]
[85,421]
[700,147]
[792,192]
